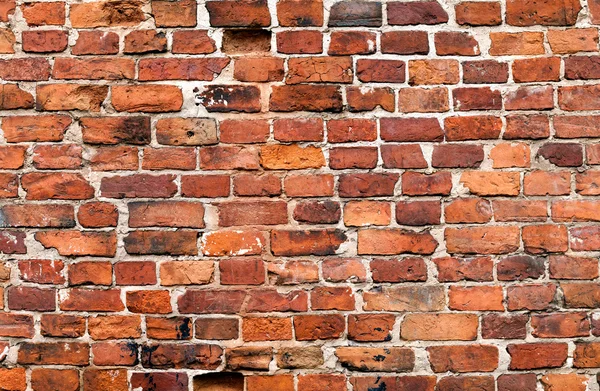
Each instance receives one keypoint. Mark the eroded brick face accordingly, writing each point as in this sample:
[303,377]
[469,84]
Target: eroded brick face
[299,195]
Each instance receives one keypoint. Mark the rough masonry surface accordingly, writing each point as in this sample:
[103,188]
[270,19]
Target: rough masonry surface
[299,195]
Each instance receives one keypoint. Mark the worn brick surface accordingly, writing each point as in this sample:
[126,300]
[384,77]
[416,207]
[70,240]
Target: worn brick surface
[299,195]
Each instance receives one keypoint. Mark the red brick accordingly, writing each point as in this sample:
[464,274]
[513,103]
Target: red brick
[482,240]
[316,382]
[300,42]
[269,300]
[90,273]
[145,41]
[381,71]
[407,269]
[147,98]
[468,358]
[306,98]
[371,99]
[332,298]
[35,128]
[409,13]
[481,98]
[195,356]
[574,40]
[476,298]
[316,327]
[266,329]
[93,69]
[300,13]
[67,156]
[42,271]
[547,183]
[545,238]
[115,379]
[104,327]
[343,269]
[439,327]
[174,13]
[206,69]
[135,273]
[106,14]
[352,42]
[563,325]
[293,272]
[520,267]
[457,156]
[545,13]
[138,185]
[455,44]
[468,210]
[275,383]
[182,242]
[315,212]
[315,242]
[512,44]
[287,130]
[484,71]
[421,100]
[472,128]
[149,302]
[536,69]
[367,185]
[308,185]
[416,213]
[537,355]
[358,157]
[352,14]
[500,326]
[411,129]
[530,297]
[210,186]
[585,295]
[414,183]
[25,69]
[97,215]
[186,272]
[44,41]
[240,41]
[83,299]
[476,13]
[160,380]
[55,97]
[114,158]
[242,271]
[574,98]
[491,183]
[469,269]
[40,215]
[402,42]
[15,325]
[50,353]
[217,328]
[96,42]
[402,156]
[230,13]
[43,379]
[395,241]
[211,301]
[361,213]
[436,71]
[572,268]
[79,243]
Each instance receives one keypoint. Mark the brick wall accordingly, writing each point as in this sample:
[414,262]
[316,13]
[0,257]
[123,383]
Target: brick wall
[299,195]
